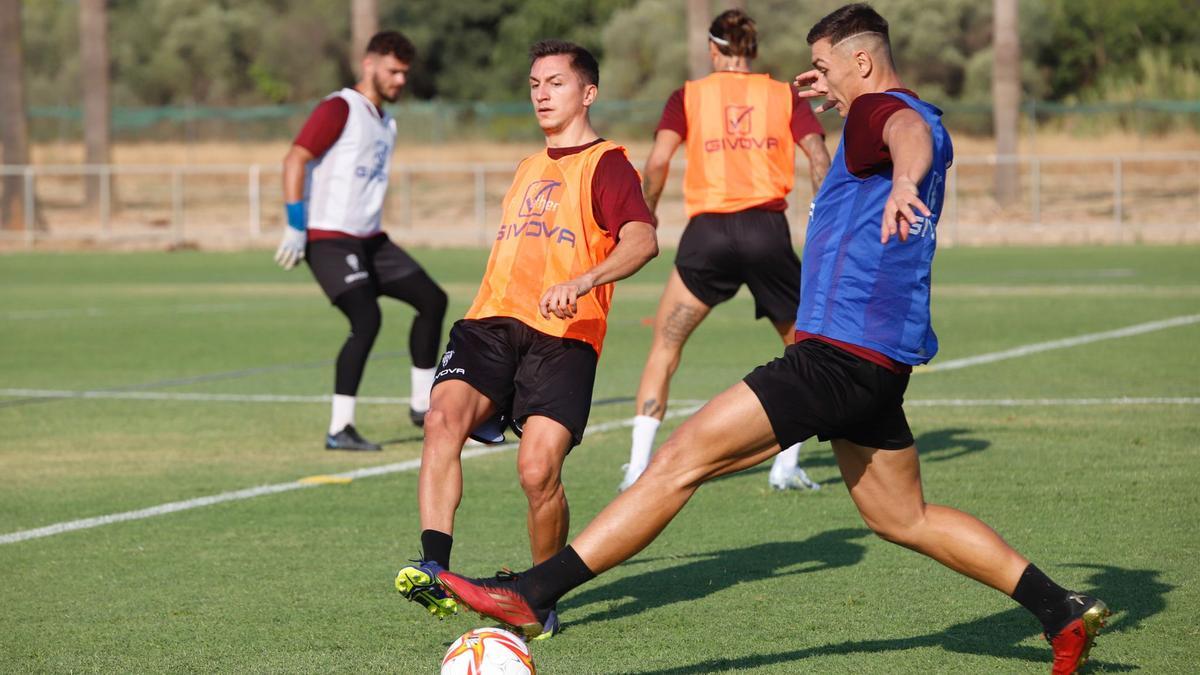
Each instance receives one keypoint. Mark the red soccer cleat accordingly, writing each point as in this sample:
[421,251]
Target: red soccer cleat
[497,599]
[1072,644]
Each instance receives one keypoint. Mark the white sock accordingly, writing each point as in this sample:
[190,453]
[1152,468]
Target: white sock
[343,413]
[422,383]
[644,428]
[785,464]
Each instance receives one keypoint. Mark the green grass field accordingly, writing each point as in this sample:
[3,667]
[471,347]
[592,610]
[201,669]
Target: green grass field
[1101,494]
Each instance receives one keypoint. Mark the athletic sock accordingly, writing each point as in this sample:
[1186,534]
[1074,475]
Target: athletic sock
[785,464]
[435,546]
[343,413]
[1045,599]
[422,383]
[644,428]
[553,578]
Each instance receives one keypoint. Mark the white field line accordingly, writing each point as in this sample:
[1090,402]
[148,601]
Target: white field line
[1018,402]
[1025,350]
[249,493]
[398,400]
[412,464]
[93,312]
[189,396]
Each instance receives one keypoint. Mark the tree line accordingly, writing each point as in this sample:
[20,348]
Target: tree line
[226,52]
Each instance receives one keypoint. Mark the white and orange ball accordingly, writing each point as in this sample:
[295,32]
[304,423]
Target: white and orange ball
[488,651]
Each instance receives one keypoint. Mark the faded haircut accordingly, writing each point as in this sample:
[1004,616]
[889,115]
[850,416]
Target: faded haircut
[582,61]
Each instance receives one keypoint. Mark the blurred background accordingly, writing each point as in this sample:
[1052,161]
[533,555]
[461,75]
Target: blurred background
[162,123]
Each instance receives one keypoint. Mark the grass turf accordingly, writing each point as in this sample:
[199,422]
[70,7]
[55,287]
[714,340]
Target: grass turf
[1100,496]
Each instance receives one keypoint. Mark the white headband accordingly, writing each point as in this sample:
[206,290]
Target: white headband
[714,38]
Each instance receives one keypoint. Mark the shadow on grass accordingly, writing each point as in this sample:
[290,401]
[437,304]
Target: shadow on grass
[934,446]
[708,573]
[1133,594]
[418,437]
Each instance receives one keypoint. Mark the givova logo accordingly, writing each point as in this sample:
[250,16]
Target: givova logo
[738,129]
[738,120]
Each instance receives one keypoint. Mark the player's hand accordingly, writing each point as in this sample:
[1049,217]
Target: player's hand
[562,300]
[806,87]
[901,209]
[291,249]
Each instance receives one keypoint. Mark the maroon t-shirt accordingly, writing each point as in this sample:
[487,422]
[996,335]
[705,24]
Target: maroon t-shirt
[323,126]
[616,190]
[865,152]
[803,123]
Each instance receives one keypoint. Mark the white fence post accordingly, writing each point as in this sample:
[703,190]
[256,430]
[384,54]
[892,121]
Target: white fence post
[1036,190]
[177,202]
[954,203]
[481,202]
[106,199]
[30,203]
[406,193]
[254,188]
[1118,205]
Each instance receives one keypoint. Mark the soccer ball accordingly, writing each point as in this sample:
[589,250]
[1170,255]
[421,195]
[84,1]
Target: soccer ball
[488,651]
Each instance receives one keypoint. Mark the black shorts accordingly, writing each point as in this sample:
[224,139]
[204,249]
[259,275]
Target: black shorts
[342,264]
[721,251]
[524,372]
[818,389]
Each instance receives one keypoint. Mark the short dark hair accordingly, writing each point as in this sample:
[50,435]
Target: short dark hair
[582,61]
[737,30]
[390,42]
[849,20]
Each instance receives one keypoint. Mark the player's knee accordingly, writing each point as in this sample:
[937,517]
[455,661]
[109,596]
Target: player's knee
[438,303]
[902,534]
[365,324]
[430,301]
[673,467]
[539,478]
[438,425]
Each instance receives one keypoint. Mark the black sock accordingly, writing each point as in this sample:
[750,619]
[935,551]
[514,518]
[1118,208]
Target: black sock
[435,546]
[1044,598]
[544,584]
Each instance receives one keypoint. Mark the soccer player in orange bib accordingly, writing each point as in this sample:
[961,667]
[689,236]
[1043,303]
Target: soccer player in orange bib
[525,355]
[741,131]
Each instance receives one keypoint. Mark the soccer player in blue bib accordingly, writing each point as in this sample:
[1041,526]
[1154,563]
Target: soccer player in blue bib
[863,322]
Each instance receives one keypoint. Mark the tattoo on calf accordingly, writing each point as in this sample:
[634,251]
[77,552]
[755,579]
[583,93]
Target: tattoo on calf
[681,322]
[651,407]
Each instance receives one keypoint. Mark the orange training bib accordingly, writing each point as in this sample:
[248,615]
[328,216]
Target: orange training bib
[549,235]
[739,142]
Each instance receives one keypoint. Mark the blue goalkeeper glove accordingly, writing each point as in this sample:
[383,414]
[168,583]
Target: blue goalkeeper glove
[295,236]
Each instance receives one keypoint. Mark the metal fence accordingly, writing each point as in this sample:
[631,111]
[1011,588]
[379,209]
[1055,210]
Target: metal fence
[1062,199]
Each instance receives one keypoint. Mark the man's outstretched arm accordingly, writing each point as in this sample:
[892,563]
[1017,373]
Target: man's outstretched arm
[910,142]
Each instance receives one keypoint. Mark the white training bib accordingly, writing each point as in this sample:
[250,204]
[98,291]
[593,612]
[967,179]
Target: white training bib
[347,185]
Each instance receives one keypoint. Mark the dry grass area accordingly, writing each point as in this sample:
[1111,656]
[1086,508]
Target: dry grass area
[1069,198]
[271,153]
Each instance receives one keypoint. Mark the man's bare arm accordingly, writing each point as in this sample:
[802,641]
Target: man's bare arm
[654,176]
[910,143]
[637,244]
[813,146]
[293,173]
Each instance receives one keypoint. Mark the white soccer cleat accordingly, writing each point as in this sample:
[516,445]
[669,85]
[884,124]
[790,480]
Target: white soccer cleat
[631,476]
[797,480]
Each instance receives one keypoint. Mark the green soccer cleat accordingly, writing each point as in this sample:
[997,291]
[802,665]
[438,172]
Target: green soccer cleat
[418,583]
